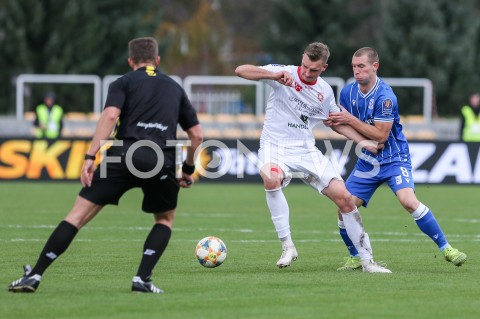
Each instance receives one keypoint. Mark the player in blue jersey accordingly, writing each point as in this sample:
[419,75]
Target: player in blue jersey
[370,106]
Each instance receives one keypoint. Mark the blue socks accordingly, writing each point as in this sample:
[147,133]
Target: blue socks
[343,233]
[425,221]
[429,226]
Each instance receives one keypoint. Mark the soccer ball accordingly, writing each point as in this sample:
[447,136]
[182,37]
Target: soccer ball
[211,252]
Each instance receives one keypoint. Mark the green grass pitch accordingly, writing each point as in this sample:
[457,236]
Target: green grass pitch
[92,279]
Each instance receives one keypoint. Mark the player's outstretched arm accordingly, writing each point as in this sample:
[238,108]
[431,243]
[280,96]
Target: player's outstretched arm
[254,73]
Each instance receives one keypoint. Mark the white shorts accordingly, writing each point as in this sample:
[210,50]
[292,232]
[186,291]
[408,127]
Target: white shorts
[308,164]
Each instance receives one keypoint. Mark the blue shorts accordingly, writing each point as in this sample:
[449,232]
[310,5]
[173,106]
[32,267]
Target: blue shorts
[364,180]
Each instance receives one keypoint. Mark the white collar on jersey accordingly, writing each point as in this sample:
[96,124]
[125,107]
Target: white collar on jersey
[374,87]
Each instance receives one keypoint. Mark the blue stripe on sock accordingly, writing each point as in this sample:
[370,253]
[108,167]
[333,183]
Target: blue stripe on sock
[351,248]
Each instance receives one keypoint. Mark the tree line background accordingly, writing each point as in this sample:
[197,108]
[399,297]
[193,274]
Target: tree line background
[435,39]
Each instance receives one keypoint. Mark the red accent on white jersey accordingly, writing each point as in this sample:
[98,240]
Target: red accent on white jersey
[291,114]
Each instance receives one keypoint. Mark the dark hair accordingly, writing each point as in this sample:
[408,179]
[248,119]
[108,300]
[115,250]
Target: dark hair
[49,94]
[371,53]
[317,51]
[143,50]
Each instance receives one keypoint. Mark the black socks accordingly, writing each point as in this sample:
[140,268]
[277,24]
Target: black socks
[153,249]
[65,232]
[58,242]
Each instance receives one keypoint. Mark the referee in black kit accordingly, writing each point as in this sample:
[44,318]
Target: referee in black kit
[146,106]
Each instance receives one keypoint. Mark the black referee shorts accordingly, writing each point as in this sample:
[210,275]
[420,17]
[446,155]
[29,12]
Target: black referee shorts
[160,192]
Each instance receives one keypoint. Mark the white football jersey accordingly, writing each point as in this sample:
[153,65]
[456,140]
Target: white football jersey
[293,111]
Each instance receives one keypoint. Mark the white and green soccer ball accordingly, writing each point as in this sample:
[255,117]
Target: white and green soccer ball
[211,252]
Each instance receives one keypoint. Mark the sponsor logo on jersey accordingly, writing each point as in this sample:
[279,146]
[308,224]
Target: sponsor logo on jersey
[299,126]
[277,64]
[158,126]
[387,107]
[304,118]
[305,108]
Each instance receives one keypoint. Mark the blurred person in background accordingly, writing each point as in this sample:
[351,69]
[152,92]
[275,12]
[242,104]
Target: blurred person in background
[370,106]
[470,120]
[48,118]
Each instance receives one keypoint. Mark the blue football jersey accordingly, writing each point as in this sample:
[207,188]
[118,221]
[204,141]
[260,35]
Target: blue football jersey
[378,105]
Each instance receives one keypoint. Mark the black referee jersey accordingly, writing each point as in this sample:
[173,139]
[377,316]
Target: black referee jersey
[152,105]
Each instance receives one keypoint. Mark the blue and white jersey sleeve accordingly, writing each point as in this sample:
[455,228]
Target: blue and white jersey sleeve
[345,97]
[386,107]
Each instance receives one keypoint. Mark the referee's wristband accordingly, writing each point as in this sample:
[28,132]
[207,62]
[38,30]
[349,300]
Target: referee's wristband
[188,169]
[89,157]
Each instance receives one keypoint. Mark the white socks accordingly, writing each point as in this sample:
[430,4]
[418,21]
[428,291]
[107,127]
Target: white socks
[356,232]
[278,206]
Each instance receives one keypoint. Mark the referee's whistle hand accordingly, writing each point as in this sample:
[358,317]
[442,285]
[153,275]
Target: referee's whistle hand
[186,183]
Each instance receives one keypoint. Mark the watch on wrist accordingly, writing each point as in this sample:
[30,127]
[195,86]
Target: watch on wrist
[90,157]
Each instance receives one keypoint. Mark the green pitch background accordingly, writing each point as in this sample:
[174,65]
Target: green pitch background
[92,279]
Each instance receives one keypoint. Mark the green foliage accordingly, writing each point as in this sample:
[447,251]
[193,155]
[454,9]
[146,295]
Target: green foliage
[92,279]
[193,44]
[439,40]
[341,25]
[70,37]
[435,39]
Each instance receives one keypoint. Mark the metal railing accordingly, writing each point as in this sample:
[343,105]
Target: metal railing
[219,97]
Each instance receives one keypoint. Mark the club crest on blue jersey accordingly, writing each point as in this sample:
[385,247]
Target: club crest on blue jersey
[370,104]
[387,107]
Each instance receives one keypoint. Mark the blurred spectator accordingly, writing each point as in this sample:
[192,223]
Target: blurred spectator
[470,122]
[49,118]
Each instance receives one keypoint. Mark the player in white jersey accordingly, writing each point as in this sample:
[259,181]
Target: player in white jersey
[298,101]
[292,113]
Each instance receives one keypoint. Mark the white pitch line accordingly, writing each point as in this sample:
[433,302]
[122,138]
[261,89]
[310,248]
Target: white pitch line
[417,233]
[246,241]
